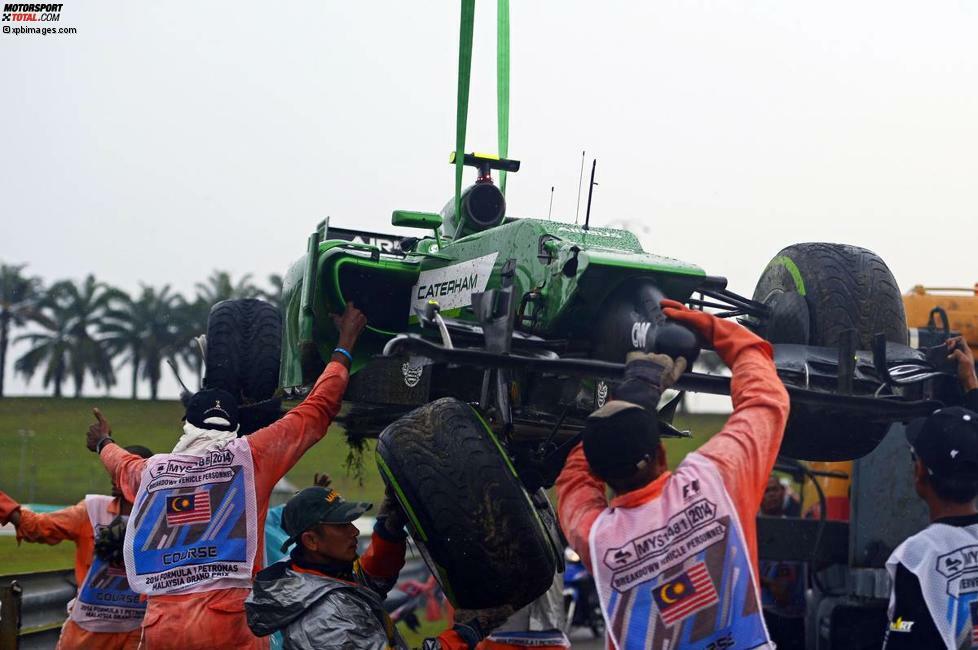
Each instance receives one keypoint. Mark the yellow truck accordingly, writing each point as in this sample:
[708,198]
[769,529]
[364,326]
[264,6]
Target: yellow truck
[960,306]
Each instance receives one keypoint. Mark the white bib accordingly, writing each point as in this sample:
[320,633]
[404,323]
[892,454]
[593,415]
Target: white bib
[945,560]
[675,572]
[194,525]
[105,602]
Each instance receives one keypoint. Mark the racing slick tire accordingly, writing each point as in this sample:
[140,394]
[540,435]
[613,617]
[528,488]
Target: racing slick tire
[473,522]
[816,292]
[244,343]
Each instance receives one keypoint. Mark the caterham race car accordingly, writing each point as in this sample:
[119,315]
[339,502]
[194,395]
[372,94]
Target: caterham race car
[490,338]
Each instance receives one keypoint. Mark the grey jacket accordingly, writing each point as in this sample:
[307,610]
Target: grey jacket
[320,612]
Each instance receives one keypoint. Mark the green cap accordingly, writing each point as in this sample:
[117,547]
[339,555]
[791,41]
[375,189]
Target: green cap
[318,505]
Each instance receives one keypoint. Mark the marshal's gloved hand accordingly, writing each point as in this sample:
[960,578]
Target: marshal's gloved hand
[8,507]
[392,517]
[729,339]
[646,376]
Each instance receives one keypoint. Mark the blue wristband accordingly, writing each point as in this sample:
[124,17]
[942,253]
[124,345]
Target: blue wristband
[345,353]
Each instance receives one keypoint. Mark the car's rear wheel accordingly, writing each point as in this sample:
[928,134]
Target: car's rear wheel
[244,343]
[469,514]
[816,292]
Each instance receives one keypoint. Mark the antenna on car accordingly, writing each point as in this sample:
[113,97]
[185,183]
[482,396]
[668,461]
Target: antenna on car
[550,211]
[176,373]
[590,191]
[580,179]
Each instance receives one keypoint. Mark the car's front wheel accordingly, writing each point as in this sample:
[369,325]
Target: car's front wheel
[475,525]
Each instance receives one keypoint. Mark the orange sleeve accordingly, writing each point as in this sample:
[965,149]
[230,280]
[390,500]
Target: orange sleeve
[745,449]
[53,527]
[451,640]
[125,469]
[581,498]
[383,559]
[277,447]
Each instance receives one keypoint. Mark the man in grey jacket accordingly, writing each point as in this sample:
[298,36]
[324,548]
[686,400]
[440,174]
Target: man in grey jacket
[324,596]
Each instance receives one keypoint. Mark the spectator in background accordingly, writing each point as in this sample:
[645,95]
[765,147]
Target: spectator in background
[98,568]
[783,583]
[195,539]
[779,500]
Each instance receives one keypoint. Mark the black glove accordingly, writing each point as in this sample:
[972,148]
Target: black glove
[391,518]
[647,375]
[108,544]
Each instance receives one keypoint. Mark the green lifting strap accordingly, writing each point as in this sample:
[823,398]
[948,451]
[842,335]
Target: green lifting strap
[464,75]
[502,84]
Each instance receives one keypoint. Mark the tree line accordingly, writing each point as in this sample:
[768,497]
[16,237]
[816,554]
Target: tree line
[89,330]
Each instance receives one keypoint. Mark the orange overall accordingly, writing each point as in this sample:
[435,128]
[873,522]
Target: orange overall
[73,524]
[216,619]
[743,452]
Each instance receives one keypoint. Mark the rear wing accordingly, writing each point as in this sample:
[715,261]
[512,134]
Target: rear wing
[385,243]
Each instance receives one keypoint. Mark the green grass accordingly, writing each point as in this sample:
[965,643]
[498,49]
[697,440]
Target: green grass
[28,558]
[58,469]
[701,425]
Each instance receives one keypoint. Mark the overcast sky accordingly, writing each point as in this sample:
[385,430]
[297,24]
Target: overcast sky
[165,140]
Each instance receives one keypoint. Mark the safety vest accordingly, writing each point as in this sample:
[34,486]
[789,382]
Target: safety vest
[105,602]
[194,525]
[945,560]
[675,572]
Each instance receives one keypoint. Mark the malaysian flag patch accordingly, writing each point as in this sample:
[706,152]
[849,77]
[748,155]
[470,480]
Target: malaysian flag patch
[684,595]
[186,509]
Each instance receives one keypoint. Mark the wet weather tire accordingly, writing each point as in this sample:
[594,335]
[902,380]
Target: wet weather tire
[244,343]
[470,516]
[816,292]
[845,287]
[263,345]
[225,343]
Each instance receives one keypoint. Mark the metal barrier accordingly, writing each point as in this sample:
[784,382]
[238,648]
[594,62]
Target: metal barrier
[33,606]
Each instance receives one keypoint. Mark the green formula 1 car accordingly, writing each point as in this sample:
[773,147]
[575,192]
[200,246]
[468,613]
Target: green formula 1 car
[490,338]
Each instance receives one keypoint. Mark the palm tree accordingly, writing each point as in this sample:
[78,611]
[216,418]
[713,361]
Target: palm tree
[88,302]
[51,348]
[163,334]
[274,295]
[69,313]
[147,331]
[123,328]
[19,295]
[219,286]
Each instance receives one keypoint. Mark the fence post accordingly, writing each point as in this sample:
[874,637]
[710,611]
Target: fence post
[10,601]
